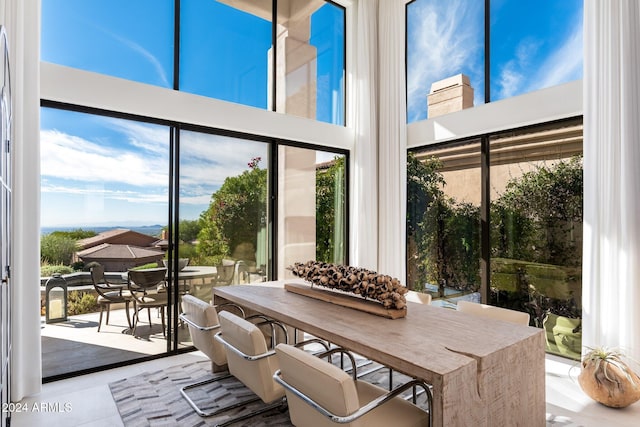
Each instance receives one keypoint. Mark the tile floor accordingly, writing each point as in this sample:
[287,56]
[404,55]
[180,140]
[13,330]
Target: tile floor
[86,400]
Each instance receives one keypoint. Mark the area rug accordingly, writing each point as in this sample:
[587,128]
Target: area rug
[153,399]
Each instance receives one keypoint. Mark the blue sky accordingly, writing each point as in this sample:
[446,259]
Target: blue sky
[105,171]
[534,44]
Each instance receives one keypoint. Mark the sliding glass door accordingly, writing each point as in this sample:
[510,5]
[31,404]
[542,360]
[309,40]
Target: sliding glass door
[104,197]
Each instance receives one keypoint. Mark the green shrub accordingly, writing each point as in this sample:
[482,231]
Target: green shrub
[81,303]
[48,270]
[78,266]
[146,266]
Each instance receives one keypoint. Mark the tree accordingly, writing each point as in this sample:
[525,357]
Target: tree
[236,213]
[57,248]
[329,192]
[425,199]
[188,230]
[539,215]
[443,236]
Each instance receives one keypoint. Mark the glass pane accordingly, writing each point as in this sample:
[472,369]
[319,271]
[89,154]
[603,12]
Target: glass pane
[534,45]
[443,222]
[224,50]
[536,229]
[223,228]
[445,57]
[311,67]
[104,200]
[311,207]
[128,39]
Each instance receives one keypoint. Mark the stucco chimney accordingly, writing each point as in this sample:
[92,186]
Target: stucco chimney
[448,95]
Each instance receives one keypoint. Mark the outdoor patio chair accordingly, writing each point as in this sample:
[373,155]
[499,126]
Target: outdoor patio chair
[225,272]
[250,360]
[321,394]
[109,293]
[202,320]
[143,285]
[493,312]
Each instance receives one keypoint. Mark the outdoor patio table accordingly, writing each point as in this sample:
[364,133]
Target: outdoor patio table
[484,372]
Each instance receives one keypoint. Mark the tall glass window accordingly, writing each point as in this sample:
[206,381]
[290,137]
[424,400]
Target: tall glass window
[328,36]
[445,57]
[443,222]
[536,229]
[224,51]
[128,39]
[534,45]
[535,208]
[310,67]
[104,200]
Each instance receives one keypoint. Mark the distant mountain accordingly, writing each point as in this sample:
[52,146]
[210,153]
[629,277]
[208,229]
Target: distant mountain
[151,230]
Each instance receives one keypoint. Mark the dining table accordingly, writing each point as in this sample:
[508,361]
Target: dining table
[483,372]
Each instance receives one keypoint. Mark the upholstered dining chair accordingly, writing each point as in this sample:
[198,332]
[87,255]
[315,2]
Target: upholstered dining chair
[418,297]
[109,293]
[493,312]
[143,285]
[202,320]
[250,360]
[320,394]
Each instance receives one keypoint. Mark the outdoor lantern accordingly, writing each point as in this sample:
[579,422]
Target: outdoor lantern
[56,299]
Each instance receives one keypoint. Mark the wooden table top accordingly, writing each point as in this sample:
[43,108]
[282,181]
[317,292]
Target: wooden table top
[429,340]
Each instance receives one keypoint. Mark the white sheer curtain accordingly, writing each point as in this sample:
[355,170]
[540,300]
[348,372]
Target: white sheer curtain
[364,221]
[611,261]
[392,139]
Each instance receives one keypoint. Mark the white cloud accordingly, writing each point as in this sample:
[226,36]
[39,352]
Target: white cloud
[137,171]
[201,200]
[75,158]
[207,160]
[101,192]
[148,56]
[445,40]
[510,80]
[150,138]
[563,64]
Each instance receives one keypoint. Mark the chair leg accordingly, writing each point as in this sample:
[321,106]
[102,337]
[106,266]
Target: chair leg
[108,311]
[136,318]
[126,308]
[100,320]
[164,333]
[183,392]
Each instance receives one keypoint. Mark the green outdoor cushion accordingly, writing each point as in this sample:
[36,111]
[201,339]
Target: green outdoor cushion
[563,335]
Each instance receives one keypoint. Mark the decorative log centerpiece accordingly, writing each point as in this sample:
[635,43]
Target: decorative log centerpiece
[386,291]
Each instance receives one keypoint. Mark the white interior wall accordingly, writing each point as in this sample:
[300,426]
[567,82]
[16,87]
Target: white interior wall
[78,87]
